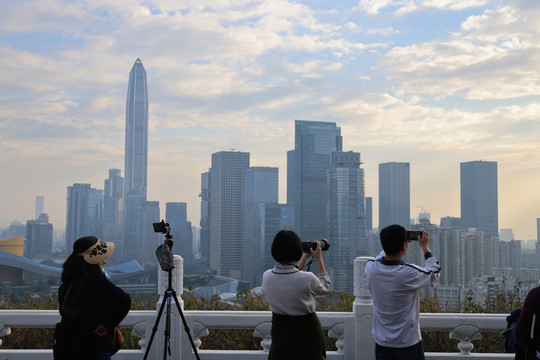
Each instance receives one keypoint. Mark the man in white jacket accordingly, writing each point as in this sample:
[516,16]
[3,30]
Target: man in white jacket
[395,287]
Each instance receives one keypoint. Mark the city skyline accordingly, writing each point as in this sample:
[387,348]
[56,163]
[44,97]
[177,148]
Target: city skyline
[400,89]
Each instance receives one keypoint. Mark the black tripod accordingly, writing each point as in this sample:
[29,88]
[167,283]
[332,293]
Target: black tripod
[170,292]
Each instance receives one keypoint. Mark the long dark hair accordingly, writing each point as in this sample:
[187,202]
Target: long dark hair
[75,266]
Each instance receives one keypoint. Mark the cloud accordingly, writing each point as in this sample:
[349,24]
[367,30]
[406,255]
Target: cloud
[403,7]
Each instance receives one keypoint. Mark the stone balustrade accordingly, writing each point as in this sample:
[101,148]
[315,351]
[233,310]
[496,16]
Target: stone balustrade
[351,331]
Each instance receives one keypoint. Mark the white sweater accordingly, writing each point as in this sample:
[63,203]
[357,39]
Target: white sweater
[290,291]
[394,286]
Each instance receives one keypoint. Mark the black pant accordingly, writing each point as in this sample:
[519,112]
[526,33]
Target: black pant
[414,352]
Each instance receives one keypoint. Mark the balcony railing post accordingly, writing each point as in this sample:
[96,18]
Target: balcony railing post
[364,345]
[176,336]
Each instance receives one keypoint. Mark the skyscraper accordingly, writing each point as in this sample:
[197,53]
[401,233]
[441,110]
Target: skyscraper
[261,187]
[204,247]
[39,206]
[346,216]
[176,217]
[479,200]
[136,160]
[38,239]
[314,144]
[84,213]
[290,177]
[113,206]
[136,153]
[394,194]
[227,212]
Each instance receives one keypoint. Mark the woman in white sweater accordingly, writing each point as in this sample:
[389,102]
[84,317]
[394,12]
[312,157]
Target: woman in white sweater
[290,292]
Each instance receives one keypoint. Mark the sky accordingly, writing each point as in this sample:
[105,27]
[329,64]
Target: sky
[429,82]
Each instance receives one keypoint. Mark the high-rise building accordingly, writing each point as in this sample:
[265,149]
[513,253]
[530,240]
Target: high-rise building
[204,247]
[136,152]
[150,239]
[260,187]
[394,194]
[346,209]
[314,144]
[113,206]
[537,229]
[38,239]
[136,160]
[290,177]
[479,201]
[176,217]
[369,214]
[84,213]
[39,206]
[226,212]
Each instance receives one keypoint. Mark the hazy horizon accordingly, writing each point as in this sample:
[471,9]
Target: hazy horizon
[429,82]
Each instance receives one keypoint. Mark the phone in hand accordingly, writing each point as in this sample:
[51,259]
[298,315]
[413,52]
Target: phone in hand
[413,234]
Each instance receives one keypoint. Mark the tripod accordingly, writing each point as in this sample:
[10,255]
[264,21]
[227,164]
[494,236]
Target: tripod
[170,292]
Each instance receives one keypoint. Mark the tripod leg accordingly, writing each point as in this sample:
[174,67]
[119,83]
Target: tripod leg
[186,327]
[167,339]
[154,329]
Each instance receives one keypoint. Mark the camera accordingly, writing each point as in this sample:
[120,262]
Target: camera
[307,245]
[161,227]
[413,234]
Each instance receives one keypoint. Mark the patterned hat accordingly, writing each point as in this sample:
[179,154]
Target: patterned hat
[93,250]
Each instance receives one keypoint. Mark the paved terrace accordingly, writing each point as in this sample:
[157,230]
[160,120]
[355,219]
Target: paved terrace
[352,331]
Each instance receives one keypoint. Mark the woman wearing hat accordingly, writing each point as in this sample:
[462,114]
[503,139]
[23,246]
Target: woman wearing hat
[90,304]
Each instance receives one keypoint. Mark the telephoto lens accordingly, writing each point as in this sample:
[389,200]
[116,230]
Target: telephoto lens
[306,245]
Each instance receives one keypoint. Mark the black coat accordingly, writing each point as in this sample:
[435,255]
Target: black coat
[92,301]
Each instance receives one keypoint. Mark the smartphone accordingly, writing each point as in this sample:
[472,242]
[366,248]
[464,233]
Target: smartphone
[413,234]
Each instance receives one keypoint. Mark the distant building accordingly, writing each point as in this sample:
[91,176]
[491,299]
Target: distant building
[38,239]
[479,199]
[15,229]
[347,221]
[150,239]
[394,194]
[450,222]
[226,213]
[204,248]
[84,213]
[260,187]
[290,177]
[136,162]
[176,217]
[314,144]
[113,206]
[369,214]
[40,206]
[507,235]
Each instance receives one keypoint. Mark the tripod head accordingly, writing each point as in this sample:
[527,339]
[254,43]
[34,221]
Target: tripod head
[164,228]
[164,251]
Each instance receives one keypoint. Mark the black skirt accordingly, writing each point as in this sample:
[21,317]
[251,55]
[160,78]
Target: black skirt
[297,337]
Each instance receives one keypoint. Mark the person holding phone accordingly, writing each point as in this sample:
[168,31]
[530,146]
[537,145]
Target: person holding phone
[395,286]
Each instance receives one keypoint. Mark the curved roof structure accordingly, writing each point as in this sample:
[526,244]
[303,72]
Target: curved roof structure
[128,269]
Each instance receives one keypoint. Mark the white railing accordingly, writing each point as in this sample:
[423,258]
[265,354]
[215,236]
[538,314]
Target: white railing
[352,331]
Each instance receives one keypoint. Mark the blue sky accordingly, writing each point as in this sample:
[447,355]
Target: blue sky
[430,82]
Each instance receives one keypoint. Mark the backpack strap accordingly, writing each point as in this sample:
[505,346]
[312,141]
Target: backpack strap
[65,297]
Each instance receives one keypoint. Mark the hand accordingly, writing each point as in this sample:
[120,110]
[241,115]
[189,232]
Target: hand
[423,241]
[101,330]
[317,253]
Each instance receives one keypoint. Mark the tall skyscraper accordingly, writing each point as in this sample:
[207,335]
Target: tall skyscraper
[176,216]
[227,212]
[113,207]
[369,214]
[84,213]
[150,239]
[38,239]
[314,144]
[261,187]
[39,206]
[204,247]
[136,153]
[290,177]
[394,194]
[346,216]
[479,199]
[136,160]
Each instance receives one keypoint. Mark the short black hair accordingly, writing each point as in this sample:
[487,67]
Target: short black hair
[286,246]
[392,238]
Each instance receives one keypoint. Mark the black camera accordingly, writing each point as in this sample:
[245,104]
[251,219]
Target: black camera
[307,245]
[161,227]
[413,234]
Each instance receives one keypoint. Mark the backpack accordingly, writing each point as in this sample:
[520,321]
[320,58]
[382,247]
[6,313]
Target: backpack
[511,344]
